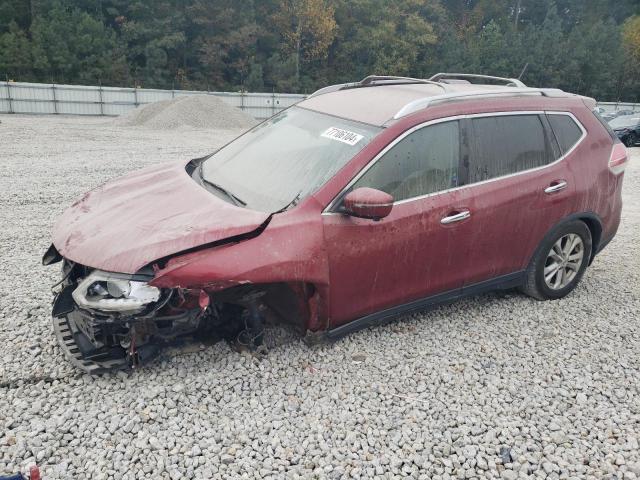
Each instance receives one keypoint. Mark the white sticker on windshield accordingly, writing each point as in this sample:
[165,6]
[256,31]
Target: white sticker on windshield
[344,136]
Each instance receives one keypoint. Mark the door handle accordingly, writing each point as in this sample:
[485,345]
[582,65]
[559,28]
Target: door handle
[458,217]
[556,187]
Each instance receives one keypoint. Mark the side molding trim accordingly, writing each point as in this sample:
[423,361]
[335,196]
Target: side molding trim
[385,316]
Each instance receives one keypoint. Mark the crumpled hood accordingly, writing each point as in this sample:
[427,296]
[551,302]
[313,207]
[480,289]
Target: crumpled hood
[129,222]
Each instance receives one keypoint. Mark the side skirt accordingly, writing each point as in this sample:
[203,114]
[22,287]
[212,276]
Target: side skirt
[385,316]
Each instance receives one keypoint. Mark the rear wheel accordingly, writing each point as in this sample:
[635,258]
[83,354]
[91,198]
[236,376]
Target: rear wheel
[559,263]
[631,140]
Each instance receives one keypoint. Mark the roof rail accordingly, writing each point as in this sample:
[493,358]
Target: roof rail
[371,79]
[510,82]
[425,102]
[376,80]
[333,88]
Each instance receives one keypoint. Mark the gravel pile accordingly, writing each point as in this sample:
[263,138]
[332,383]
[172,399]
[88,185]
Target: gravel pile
[194,111]
[497,386]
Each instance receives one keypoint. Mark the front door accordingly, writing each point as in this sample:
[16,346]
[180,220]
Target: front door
[422,247]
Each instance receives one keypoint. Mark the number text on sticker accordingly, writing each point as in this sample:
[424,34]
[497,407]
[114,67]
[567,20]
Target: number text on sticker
[343,136]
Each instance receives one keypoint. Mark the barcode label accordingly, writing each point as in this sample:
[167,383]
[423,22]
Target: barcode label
[343,136]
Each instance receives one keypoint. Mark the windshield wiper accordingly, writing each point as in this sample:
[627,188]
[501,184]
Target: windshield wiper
[237,201]
[292,203]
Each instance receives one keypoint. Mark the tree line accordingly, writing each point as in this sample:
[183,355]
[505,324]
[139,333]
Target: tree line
[591,47]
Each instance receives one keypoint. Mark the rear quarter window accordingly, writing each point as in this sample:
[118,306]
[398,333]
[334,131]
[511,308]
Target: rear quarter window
[566,131]
[605,124]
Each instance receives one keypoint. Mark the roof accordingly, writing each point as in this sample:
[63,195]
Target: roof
[380,104]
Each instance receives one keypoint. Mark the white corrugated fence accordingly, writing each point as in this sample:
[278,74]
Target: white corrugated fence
[617,106]
[20,97]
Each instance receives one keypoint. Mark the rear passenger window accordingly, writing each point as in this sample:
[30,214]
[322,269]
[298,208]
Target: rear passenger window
[566,131]
[425,161]
[508,144]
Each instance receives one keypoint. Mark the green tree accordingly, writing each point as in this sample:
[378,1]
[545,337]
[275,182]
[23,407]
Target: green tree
[69,45]
[385,38]
[630,84]
[545,51]
[225,36]
[307,27]
[16,12]
[255,80]
[15,53]
[155,38]
[631,38]
[299,45]
[595,60]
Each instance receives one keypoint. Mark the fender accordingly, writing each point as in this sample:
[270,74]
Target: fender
[594,223]
[277,255]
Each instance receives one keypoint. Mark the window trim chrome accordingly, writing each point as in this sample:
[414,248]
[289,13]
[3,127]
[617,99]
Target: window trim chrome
[329,209]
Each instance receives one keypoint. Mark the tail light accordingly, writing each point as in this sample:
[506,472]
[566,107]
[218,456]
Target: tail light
[619,158]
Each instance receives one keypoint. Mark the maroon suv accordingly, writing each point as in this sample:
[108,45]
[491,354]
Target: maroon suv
[365,201]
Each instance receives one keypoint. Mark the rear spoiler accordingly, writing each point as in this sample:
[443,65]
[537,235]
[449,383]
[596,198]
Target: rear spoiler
[589,102]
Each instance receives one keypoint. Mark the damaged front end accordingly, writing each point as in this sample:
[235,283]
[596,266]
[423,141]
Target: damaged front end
[107,321]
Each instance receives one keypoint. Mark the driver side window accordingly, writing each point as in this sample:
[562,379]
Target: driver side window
[425,161]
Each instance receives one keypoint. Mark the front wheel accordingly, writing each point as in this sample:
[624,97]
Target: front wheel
[559,263]
[631,140]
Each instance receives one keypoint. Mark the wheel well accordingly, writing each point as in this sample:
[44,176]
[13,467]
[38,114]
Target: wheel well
[288,300]
[596,233]
[590,220]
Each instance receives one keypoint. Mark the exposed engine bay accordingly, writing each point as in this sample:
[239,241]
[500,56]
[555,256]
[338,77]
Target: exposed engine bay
[107,321]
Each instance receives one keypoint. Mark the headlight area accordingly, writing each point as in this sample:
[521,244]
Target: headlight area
[110,292]
[110,321]
[107,321]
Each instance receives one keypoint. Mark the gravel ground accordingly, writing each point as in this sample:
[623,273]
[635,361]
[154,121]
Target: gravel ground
[497,386]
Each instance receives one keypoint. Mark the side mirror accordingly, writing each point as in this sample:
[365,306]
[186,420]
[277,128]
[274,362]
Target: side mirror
[368,203]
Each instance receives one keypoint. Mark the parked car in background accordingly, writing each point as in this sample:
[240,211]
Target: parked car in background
[618,113]
[608,116]
[365,201]
[627,128]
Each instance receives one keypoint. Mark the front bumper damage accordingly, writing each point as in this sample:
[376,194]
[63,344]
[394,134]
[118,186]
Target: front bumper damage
[101,330]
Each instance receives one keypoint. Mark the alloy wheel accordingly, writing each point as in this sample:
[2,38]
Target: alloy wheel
[563,261]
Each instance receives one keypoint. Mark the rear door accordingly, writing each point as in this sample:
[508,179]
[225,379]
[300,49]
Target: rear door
[518,187]
[410,254]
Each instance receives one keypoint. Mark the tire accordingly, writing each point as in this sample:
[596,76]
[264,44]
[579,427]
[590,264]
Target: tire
[559,252]
[631,140]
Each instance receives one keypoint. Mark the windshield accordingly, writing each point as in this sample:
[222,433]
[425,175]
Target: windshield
[624,121]
[286,158]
